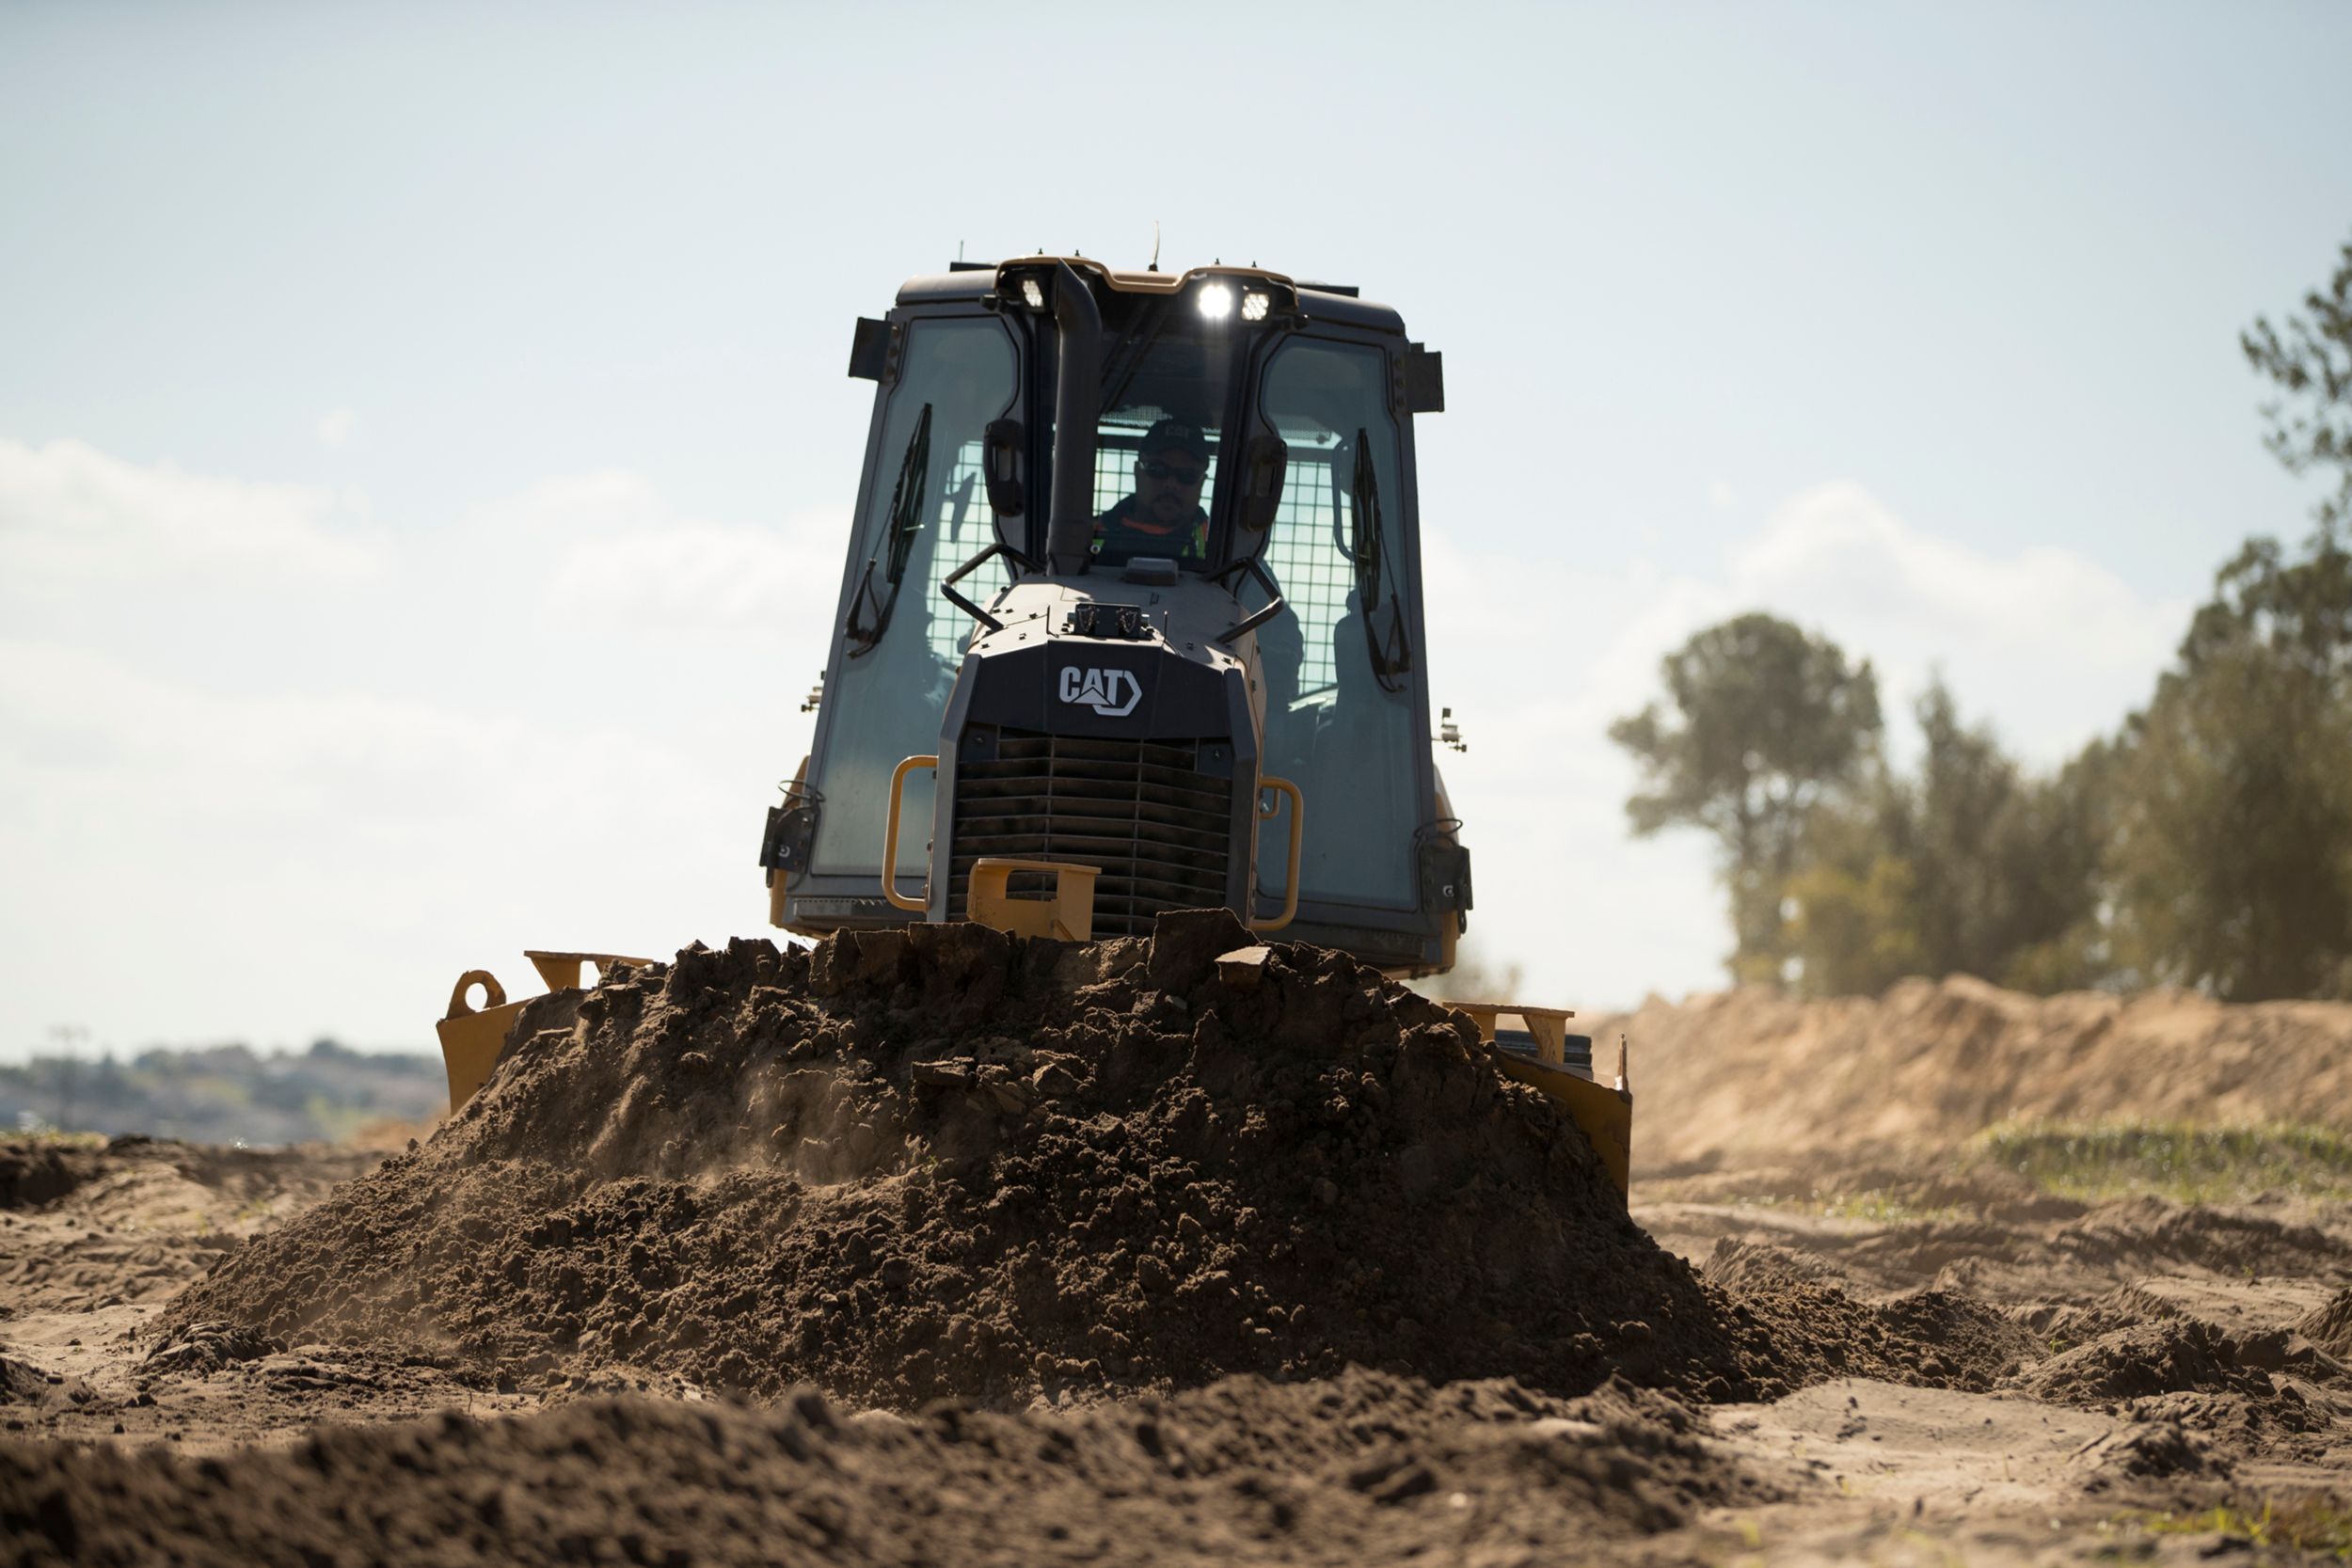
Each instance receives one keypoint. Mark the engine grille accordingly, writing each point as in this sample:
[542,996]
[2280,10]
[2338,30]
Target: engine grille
[1160,831]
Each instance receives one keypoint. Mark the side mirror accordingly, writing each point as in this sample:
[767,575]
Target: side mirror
[1001,462]
[1264,465]
[869,350]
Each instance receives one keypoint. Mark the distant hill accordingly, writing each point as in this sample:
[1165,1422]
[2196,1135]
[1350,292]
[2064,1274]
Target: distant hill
[227,1093]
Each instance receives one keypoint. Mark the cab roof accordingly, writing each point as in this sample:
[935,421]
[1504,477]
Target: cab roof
[968,282]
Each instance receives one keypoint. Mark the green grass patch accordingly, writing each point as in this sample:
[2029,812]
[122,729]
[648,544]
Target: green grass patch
[2190,1165]
[1882,1208]
[1875,1206]
[2305,1524]
[48,1138]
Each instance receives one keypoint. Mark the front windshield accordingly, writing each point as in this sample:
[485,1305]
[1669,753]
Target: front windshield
[1166,375]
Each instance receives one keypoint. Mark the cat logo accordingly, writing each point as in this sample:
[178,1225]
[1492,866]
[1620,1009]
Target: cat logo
[1112,694]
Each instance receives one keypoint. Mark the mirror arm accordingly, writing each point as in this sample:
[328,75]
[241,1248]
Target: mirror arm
[1259,618]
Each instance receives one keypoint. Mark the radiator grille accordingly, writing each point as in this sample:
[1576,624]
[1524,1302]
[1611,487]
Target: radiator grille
[1160,831]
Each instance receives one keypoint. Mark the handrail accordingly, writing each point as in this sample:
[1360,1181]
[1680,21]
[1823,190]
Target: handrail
[1298,824]
[947,587]
[890,840]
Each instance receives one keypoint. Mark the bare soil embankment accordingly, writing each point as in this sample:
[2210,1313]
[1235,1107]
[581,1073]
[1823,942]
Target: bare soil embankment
[1756,1078]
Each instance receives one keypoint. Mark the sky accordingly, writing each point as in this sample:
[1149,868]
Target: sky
[425,456]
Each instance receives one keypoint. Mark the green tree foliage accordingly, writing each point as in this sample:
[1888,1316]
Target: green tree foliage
[2311,364]
[1766,723]
[1971,866]
[2232,851]
[2232,844]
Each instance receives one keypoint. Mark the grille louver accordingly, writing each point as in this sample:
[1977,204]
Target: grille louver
[1160,831]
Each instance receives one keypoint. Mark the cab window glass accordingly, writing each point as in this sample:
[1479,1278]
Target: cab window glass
[1338,697]
[1164,380]
[901,643]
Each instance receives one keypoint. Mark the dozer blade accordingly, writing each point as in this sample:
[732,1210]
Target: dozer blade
[1604,1111]
[472,1039]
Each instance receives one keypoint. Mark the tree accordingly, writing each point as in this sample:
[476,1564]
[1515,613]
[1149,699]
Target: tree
[2232,853]
[1972,867]
[2310,363]
[2233,842]
[1767,722]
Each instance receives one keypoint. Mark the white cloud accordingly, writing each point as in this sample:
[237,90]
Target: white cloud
[619,557]
[69,512]
[322,862]
[596,505]
[503,737]
[681,575]
[2049,645]
[335,427]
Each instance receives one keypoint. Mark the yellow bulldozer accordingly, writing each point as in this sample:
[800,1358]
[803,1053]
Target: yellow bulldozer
[1131,622]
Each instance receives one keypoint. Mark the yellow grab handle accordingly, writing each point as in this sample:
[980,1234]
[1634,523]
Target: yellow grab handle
[1298,821]
[890,839]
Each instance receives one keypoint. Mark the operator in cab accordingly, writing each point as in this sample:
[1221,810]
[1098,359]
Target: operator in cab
[1164,515]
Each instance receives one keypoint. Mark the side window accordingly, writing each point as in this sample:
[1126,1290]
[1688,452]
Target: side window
[899,644]
[1339,704]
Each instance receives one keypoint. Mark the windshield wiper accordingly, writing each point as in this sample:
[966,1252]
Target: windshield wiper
[1391,654]
[898,542]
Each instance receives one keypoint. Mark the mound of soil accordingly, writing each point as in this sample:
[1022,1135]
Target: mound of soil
[1761,1078]
[1932,1336]
[2149,1233]
[21,1381]
[2330,1326]
[954,1163]
[37,1172]
[2168,1355]
[1363,1468]
[2145,1451]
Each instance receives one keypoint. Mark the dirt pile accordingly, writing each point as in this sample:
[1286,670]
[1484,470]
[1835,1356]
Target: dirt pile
[1935,1337]
[1364,1468]
[2330,1327]
[1760,1076]
[35,1172]
[952,1162]
[2168,1355]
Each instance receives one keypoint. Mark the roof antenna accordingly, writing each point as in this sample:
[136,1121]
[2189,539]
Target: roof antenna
[959,250]
[1155,246]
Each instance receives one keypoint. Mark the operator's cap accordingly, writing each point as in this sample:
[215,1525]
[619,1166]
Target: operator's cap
[1175,435]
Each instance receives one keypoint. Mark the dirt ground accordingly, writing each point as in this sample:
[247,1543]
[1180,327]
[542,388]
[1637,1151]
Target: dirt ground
[1964,1366]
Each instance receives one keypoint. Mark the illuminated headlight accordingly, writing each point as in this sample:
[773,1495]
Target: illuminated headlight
[1254,305]
[1217,302]
[1034,295]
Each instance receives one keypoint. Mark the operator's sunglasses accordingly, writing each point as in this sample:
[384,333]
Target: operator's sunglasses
[1153,468]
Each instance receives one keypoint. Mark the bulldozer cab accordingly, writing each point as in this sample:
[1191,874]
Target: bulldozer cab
[1127,547]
